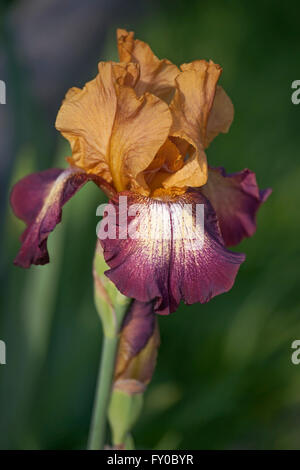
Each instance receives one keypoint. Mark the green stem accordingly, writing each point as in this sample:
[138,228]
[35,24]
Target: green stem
[103,390]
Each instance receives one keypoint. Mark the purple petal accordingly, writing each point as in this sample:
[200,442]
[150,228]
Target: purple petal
[236,198]
[169,260]
[38,199]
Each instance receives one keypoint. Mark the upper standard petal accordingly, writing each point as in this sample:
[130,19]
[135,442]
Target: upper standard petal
[220,117]
[112,132]
[190,108]
[156,76]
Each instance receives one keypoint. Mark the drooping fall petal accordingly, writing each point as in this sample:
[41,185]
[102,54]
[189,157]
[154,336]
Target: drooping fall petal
[190,108]
[156,76]
[38,199]
[166,255]
[236,198]
[112,132]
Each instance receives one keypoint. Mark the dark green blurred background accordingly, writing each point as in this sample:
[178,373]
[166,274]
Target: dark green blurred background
[224,377]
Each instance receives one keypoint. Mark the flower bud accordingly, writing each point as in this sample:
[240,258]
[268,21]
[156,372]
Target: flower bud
[135,363]
[109,301]
[137,352]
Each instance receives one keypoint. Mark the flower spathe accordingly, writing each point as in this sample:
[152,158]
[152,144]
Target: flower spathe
[141,129]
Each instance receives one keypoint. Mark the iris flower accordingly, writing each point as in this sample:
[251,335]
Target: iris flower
[140,129]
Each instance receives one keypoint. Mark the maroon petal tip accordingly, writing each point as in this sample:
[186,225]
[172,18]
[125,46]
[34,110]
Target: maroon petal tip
[38,199]
[236,199]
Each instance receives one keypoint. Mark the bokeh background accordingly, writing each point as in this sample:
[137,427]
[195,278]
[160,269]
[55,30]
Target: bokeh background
[224,377]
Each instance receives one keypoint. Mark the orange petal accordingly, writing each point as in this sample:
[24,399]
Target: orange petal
[157,76]
[221,115]
[141,127]
[190,108]
[167,160]
[113,133]
[86,118]
[169,156]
